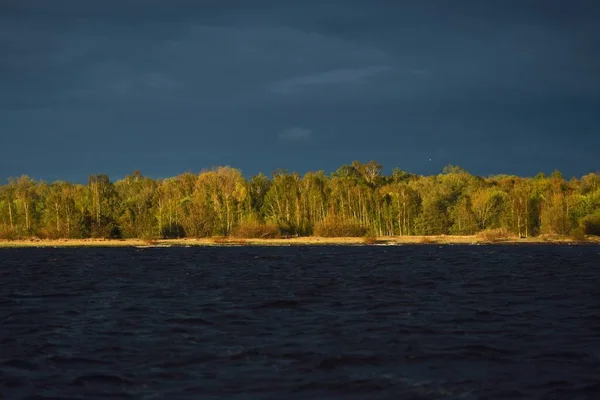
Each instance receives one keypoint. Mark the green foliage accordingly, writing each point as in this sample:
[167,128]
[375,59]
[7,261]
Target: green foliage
[464,221]
[453,169]
[357,199]
[591,224]
[434,218]
[554,216]
[399,175]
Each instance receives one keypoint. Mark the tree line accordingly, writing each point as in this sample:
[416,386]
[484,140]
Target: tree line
[356,199]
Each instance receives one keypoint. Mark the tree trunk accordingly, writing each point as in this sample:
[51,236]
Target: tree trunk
[26,207]
[526,217]
[57,208]
[10,214]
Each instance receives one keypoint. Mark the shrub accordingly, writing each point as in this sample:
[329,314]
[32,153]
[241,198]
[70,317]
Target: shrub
[49,234]
[335,227]
[494,235]
[9,234]
[578,235]
[148,236]
[591,224]
[173,231]
[370,240]
[252,228]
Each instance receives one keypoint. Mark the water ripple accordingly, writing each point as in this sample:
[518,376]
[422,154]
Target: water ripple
[422,322]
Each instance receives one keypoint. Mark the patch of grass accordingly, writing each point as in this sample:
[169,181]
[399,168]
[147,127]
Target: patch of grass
[226,240]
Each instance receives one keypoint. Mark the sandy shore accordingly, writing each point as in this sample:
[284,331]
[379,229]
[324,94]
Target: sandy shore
[297,241]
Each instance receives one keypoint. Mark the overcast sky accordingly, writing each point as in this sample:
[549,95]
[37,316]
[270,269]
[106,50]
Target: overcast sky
[173,86]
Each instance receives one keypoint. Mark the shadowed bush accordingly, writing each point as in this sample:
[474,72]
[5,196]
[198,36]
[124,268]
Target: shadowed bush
[591,225]
[334,227]
[173,231]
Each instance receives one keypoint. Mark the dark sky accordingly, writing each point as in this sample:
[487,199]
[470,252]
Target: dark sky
[173,86]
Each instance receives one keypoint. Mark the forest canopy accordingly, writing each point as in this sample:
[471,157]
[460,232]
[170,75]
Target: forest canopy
[355,200]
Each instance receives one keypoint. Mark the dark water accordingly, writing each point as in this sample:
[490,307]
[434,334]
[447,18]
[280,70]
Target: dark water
[422,322]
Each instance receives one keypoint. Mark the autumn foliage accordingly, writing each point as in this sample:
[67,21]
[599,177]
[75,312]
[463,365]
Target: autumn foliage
[356,200]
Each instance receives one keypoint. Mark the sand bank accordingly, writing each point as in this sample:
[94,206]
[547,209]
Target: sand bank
[296,241]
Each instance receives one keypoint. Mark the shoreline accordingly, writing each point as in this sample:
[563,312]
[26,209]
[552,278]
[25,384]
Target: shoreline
[296,241]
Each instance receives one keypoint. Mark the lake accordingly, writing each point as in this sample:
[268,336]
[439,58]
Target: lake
[319,322]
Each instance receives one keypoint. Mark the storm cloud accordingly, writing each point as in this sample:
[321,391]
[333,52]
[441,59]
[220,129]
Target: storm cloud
[496,87]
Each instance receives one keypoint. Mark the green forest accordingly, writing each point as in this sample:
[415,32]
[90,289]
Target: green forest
[355,200]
